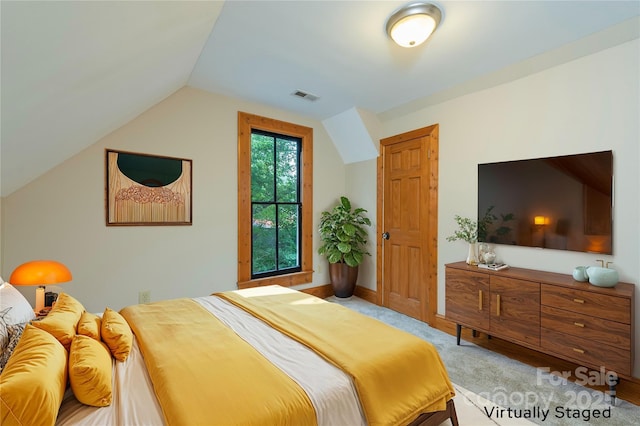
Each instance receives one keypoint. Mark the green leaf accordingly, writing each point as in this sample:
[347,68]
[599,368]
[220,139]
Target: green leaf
[349,229]
[357,257]
[334,257]
[349,260]
[346,204]
[344,247]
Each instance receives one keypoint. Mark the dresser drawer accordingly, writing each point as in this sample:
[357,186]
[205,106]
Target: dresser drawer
[586,352]
[584,302]
[587,327]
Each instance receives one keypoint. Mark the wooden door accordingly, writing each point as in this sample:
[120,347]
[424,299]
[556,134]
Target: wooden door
[408,179]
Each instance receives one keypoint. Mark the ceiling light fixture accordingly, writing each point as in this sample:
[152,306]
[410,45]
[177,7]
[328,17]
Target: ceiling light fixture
[412,24]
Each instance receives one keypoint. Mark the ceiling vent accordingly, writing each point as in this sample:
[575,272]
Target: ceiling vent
[305,95]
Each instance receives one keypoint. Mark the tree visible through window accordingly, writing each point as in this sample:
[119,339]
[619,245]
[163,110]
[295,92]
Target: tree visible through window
[275,204]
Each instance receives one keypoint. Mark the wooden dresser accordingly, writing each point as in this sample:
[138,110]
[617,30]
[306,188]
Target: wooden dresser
[545,311]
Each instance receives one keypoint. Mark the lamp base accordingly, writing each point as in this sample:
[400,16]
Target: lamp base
[39,299]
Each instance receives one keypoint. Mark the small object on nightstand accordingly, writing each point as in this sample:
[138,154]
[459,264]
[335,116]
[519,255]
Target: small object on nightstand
[42,313]
[50,298]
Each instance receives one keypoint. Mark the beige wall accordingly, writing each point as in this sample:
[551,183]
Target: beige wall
[61,215]
[2,273]
[590,104]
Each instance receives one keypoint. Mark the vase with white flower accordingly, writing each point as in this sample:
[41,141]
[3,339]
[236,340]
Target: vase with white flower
[467,231]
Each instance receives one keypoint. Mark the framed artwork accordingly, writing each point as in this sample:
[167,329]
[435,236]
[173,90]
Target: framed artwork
[143,189]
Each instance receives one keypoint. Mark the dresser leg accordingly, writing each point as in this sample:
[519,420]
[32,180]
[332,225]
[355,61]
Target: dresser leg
[474,333]
[458,331]
[613,382]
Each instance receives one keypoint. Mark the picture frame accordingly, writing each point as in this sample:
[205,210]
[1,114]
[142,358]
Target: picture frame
[147,190]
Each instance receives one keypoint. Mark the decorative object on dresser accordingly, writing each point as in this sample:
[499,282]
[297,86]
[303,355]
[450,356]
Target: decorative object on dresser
[40,273]
[467,231]
[548,312]
[599,276]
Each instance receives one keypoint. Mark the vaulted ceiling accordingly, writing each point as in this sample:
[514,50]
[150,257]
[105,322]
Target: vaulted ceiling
[73,71]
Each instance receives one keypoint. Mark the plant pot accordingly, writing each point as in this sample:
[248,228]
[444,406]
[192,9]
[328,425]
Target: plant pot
[343,279]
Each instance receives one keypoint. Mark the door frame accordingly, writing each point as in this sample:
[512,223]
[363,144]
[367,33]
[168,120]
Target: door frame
[429,294]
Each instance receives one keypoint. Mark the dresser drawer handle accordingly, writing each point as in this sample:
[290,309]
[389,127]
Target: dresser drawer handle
[479,300]
[578,350]
[578,300]
[578,324]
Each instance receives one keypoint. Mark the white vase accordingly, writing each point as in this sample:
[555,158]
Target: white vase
[472,257]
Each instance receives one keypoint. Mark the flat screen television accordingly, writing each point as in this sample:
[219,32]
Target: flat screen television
[562,203]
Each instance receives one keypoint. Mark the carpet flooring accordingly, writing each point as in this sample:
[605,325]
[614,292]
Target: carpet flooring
[523,391]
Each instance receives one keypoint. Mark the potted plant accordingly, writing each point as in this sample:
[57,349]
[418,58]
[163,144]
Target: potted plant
[468,232]
[344,239]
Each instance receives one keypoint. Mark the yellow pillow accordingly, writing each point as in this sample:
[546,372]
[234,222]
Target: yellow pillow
[117,334]
[63,319]
[34,380]
[90,366]
[89,325]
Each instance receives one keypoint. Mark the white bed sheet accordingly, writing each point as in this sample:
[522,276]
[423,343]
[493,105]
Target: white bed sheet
[330,390]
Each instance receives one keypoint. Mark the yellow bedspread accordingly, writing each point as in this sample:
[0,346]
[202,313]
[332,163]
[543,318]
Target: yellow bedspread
[397,375]
[204,374]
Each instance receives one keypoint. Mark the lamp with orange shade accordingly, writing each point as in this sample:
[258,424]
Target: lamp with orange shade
[40,273]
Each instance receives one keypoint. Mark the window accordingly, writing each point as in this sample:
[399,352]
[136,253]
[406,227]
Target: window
[274,202]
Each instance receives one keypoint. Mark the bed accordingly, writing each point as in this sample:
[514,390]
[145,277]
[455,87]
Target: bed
[268,355]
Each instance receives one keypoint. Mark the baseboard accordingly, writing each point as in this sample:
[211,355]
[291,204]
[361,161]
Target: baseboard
[445,325]
[322,291]
[366,294]
[326,290]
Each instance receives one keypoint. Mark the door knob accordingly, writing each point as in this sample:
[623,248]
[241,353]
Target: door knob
[385,235]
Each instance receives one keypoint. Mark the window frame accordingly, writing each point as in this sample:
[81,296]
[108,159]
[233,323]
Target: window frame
[246,123]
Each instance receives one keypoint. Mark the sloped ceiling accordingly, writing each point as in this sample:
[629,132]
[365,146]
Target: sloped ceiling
[73,71]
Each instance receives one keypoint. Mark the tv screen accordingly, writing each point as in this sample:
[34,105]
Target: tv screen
[562,203]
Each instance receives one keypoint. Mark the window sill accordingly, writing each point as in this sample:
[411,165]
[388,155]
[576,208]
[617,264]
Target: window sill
[288,280]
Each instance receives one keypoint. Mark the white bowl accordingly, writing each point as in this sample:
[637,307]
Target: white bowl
[602,277]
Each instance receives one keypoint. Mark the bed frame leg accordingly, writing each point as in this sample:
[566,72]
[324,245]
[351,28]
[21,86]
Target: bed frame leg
[452,413]
[437,417]
[458,332]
